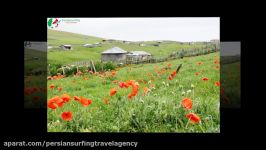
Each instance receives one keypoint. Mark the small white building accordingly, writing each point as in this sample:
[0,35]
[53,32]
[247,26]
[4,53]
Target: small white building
[114,54]
[66,47]
[139,55]
[92,45]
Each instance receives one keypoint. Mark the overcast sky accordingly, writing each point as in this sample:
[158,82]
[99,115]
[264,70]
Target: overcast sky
[146,29]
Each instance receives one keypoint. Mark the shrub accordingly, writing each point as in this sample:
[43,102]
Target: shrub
[83,69]
[52,70]
[98,66]
[181,54]
[108,65]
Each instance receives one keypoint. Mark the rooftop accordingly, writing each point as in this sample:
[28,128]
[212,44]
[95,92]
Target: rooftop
[138,53]
[114,50]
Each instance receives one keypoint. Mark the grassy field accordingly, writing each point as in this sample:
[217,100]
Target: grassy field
[161,109]
[81,53]
[230,85]
[34,78]
[32,64]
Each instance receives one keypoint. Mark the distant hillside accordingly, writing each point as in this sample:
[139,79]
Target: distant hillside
[81,53]
[56,38]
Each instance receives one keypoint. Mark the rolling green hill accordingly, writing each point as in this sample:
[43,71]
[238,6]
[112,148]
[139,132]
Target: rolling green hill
[56,38]
[81,53]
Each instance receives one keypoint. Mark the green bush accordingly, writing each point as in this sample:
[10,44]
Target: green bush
[83,69]
[181,54]
[52,71]
[108,65]
[99,66]
[70,70]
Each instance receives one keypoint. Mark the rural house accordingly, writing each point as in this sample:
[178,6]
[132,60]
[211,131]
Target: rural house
[66,47]
[114,54]
[138,55]
[108,40]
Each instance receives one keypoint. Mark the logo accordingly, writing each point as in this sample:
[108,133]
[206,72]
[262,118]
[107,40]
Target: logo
[53,23]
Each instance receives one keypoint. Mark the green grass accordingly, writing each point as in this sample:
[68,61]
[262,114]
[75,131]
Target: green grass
[30,63]
[32,80]
[231,84]
[159,111]
[56,38]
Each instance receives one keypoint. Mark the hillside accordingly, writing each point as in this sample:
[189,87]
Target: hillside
[56,38]
[81,53]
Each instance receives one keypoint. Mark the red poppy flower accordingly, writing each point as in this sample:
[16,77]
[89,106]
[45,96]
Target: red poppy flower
[146,89]
[55,102]
[51,105]
[170,77]
[131,82]
[217,83]
[173,74]
[65,97]
[121,84]
[52,86]
[126,85]
[135,88]
[113,91]
[76,98]
[60,88]
[113,73]
[130,96]
[67,116]
[85,101]
[187,103]
[205,79]
[193,117]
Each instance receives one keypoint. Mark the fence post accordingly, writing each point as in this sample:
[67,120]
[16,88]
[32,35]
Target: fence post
[63,68]
[93,66]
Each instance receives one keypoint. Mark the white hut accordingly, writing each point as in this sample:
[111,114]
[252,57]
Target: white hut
[138,55]
[114,54]
[66,47]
